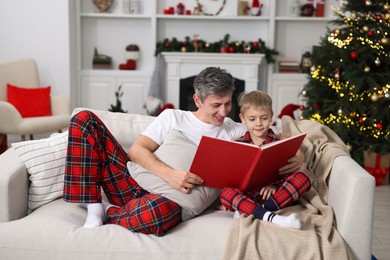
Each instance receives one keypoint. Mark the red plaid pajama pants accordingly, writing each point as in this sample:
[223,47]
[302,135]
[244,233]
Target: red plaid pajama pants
[289,191]
[95,159]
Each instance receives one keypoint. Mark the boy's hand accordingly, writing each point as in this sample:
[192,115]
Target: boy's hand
[294,163]
[267,191]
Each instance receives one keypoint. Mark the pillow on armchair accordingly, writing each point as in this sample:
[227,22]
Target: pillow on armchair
[30,102]
[177,151]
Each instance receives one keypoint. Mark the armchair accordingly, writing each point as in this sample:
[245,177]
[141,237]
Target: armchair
[24,73]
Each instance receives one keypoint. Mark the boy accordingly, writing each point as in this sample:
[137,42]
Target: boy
[256,113]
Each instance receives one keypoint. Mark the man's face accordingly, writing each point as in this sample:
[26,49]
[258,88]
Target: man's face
[213,109]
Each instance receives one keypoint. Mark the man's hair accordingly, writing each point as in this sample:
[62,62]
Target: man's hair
[257,99]
[213,81]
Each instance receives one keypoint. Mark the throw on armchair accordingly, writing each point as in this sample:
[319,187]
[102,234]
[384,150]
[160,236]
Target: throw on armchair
[22,77]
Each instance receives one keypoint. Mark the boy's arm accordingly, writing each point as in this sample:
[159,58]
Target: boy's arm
[294,163]
[141,152]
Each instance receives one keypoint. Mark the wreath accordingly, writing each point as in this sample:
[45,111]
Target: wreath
[211,14]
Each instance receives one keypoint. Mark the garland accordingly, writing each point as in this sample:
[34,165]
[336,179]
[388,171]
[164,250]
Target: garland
[210,14]
[224,45]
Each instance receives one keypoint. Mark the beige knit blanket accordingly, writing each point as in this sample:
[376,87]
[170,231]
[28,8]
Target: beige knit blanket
[318,238]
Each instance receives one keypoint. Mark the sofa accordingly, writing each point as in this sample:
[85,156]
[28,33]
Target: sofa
[52,229]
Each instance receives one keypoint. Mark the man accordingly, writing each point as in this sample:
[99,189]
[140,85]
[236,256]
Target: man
[95,159]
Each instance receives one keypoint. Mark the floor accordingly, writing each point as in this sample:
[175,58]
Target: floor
[381,236]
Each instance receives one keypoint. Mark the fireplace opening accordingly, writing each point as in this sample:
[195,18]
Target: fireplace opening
[187,91]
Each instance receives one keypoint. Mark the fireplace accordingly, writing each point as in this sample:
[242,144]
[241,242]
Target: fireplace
[181,67]
[186,101]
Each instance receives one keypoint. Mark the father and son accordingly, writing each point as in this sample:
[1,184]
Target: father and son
[96,160]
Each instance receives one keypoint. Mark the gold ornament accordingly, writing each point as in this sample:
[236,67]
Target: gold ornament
[340,112]
[367,69]
[385,41]
[368,3]
[377,62]
[337,76]
[365,28]
[183,49]
[374,97]
[386,7]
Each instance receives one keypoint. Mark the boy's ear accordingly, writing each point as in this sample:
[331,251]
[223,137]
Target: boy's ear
[242,118]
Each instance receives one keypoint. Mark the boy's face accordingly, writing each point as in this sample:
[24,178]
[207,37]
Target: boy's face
[258,121]
[213,109]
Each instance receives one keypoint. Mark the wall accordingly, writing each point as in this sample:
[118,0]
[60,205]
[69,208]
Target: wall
[39,29]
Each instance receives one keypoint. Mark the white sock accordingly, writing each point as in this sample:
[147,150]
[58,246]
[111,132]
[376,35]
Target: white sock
[236,214]
[95,217]
[290,221]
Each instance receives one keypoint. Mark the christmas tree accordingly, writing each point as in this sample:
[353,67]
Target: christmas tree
[349,84]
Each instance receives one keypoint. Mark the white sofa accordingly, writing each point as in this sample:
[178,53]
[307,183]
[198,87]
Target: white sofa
[54,230]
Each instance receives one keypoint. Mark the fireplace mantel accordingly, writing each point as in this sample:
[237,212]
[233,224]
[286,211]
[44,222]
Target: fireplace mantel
[180,65]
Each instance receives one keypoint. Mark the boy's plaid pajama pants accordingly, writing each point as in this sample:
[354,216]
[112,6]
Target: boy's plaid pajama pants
[290,189]
[95,159]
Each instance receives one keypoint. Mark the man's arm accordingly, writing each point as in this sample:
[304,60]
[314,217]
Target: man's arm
[141,152]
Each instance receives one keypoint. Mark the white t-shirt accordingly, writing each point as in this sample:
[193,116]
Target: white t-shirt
[187,123]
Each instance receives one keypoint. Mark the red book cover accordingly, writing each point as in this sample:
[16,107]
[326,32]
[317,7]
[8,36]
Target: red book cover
[223,163]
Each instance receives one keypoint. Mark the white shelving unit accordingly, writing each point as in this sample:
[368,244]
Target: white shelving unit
[111,32]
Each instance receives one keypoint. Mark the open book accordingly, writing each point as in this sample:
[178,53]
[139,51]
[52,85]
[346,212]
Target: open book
[223,163]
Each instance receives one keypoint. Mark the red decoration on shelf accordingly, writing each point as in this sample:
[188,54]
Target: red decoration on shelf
[180,9]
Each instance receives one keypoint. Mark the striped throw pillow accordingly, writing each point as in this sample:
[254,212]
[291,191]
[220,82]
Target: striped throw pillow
[45,163]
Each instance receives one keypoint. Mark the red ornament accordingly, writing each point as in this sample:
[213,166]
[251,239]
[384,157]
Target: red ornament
[316,106]
[353,55]
[301,107]
[180,9]
[361,121]
[231,49]
[371,33]
[379,126]
[255,44]
[167,45]
[184,43]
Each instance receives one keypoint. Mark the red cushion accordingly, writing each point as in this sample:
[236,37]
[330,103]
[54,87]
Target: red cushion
[30,102]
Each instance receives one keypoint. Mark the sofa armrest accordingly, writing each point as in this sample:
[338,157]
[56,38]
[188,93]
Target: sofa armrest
[14,186]
[60,105]
[351,195]
[9,114]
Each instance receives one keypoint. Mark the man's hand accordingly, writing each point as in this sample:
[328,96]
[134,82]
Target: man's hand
[294,163]
[182,180]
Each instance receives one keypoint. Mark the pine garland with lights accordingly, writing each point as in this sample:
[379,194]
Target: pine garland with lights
[223,45]
[349,87]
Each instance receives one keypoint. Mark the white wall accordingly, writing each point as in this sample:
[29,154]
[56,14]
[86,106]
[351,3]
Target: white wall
[39,29]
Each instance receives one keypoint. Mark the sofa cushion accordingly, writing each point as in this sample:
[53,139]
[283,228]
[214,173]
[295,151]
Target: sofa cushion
[45,163]
[30,102]
[177,151]
[124,127]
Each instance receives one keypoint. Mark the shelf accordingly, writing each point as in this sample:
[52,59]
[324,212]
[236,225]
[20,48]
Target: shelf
[204,17]
[115,73]
[113,15]
[304,19]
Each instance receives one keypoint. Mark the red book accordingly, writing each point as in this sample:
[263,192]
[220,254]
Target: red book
[223,163]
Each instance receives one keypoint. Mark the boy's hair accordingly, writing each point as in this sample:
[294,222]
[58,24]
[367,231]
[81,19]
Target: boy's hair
[213,81]
[257,99]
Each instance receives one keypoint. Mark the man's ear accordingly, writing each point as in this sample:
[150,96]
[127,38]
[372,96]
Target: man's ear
[197,100]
